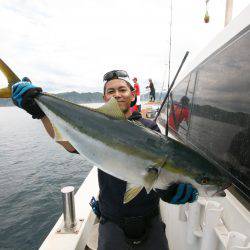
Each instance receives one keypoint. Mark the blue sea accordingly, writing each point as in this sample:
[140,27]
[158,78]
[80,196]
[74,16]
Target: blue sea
[33,169]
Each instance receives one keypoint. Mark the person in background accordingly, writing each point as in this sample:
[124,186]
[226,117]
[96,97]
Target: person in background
[137,92]
[179,112]
[136,224]
[152,90]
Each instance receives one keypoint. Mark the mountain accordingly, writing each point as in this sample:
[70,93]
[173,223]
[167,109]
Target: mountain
[73,96]
[88,97]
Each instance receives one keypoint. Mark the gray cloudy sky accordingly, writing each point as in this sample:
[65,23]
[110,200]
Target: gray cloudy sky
[68,45]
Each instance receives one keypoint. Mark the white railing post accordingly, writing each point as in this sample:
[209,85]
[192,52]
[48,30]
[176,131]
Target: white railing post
[68,207]
[213,212]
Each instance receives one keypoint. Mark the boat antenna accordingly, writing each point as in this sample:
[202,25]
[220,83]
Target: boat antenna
[170,49]
[228,12]
[170,42]
[172,84]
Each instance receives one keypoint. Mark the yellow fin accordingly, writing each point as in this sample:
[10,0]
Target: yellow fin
[58,135]
[150,178]
[151,175]
[138,123]
[131,192]
[9,74]
[5,92]
[111,108]
[11,78]
[148,190]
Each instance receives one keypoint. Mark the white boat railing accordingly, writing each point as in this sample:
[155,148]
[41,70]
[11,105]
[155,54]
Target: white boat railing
[209,224]
[78,238]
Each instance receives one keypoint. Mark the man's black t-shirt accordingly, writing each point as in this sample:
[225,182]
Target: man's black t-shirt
[112,190]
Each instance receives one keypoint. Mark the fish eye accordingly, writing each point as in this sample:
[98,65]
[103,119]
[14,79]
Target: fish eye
[204,180]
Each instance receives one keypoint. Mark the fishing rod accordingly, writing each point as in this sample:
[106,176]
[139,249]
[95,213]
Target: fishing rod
[172,84]
[170,49]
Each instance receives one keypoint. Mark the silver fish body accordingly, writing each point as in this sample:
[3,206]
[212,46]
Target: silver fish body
[130,151]
[125,149]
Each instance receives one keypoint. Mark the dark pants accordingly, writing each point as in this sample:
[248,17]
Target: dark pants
[152,96]
[111,237]
[139,108]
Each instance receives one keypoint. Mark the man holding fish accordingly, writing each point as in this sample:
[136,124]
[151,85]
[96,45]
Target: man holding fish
[130,183]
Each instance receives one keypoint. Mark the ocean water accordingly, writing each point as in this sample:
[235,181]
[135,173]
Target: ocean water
[33,169]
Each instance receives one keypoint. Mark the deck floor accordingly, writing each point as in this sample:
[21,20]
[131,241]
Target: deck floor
[92,241]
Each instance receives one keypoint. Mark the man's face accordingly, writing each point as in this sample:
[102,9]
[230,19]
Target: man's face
[120,90]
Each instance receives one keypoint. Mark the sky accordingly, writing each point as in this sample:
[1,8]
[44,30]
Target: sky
[66,45]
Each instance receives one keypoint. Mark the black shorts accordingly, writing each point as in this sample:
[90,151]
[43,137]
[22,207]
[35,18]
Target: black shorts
[112,237]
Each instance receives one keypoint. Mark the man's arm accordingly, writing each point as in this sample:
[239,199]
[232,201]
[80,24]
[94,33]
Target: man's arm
[23,94]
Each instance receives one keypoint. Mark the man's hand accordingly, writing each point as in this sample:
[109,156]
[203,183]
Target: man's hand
[179,193]
[23,94]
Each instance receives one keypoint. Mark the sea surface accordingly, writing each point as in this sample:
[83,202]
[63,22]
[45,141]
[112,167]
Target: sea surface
[33,169]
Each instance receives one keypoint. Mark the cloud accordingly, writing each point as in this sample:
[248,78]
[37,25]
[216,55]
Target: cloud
[74,43]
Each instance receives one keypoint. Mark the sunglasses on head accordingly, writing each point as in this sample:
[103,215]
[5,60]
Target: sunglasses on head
[115,74]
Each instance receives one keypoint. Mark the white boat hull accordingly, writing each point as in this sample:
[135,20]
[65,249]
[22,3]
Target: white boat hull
[206,224]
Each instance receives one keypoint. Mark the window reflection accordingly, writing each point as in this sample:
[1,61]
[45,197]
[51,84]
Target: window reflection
[220,120]
[210,109]
[179,106]
[179,113]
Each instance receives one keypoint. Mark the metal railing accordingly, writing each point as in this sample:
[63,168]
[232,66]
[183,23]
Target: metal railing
[68,207]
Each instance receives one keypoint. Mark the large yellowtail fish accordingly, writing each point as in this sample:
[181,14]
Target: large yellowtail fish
[127,149]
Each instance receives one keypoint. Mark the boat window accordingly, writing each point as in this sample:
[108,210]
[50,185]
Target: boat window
[220,123]
[180,106]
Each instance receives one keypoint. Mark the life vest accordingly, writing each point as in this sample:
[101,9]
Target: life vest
[178,114]
[137,89]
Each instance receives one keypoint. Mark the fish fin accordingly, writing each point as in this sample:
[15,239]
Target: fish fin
[151,176]
[148,189]
[11,78]
[9,74]
[111,108]
[131,192]
[138,123]
[5,92]
[58,135]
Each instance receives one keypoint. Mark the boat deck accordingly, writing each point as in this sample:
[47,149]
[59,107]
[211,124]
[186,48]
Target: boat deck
[211,224]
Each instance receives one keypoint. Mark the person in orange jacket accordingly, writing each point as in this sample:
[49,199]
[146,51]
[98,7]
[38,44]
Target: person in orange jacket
[137,92]
[179,112]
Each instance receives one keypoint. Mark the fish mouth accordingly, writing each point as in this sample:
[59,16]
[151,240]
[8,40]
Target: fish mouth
[220,192]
